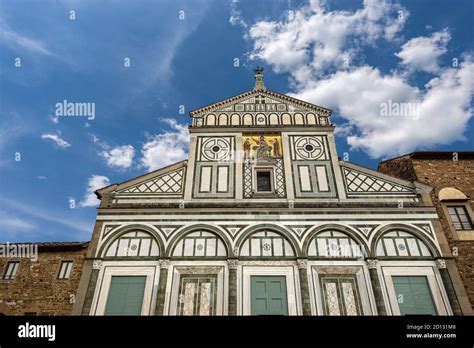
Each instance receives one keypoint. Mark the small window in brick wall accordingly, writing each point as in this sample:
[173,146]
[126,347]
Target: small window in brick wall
[460,217]
[65,270]
[11,270]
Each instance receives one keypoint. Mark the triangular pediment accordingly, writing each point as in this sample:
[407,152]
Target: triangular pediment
[361,181]
[261,101]
[167,182]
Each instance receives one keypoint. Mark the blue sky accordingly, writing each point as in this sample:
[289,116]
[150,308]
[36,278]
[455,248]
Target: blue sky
[350,56]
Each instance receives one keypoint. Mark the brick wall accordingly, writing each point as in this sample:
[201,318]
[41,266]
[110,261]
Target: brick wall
[36,287]
[442,172]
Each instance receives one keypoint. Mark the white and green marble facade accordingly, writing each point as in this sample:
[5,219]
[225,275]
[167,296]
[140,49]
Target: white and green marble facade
[198,231]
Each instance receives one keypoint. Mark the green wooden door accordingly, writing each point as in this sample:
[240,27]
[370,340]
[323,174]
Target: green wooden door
[268,294]
[414,295]
[125,295]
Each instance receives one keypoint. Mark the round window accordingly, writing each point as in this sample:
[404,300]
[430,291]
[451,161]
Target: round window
[216,148]
[309,147]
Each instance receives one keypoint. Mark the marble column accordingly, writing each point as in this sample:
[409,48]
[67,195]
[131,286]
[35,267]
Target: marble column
[302,265]
[96,266]
[448,286]
[376,287]
[161,294]
[232,264]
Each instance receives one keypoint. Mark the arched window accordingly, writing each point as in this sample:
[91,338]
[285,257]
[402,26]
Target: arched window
[310,119]
[248,120]
[211,120]
[334,244]
[235,120]
[223,120]
[286,119]
[136,243]
[273,119]
[199,244]
[266,244]
[299,119]
[400,243]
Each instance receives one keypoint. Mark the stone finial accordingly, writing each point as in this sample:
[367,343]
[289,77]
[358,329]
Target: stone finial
[259,85]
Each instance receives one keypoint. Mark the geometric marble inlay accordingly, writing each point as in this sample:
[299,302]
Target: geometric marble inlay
[298,230]
[365,229]
[167,183]
[425,227]
[107,229]
[360,182]
[233,230]
[167,230]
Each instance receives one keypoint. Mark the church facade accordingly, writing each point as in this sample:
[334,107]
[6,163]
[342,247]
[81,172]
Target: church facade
[263,218]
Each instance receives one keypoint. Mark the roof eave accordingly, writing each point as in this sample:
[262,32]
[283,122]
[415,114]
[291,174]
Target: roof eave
[211,106]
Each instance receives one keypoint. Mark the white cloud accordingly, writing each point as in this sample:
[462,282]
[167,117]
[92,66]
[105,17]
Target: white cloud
[58,141]
[444,107]
[97,141]
[95,182]
[12,128]
[422,53]
[47,215]
[16,40]
[120,156]
[235,15]
[54,119]
[312,47]
[166,148]
[16,223]
[313,38]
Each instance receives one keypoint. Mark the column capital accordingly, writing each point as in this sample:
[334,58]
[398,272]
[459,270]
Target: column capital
[372,264]
[97,264]
[440,263]
[232,263]
[302,263]
[164,263]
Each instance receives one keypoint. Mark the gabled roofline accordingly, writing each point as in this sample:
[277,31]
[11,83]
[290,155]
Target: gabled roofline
[378,174]
[115,186]
[433,154]
[211,106]
[260,129]
[55,246]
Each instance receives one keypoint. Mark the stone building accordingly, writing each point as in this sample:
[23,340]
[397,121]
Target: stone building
[44,282]
[451,174]
[263,218]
